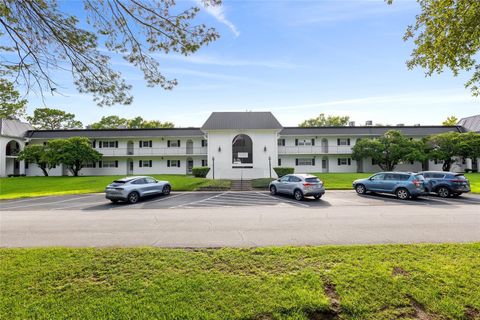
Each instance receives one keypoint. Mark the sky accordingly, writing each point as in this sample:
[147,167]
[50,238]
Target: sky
[296,59]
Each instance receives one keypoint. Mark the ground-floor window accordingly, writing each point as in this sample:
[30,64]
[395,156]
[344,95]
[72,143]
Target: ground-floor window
[204,163]
[344,161]
[145,163]
[173,163]
[305,162]
[108,164]
[90,165]
[279,162]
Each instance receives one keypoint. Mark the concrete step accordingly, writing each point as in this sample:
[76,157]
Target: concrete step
[241,185]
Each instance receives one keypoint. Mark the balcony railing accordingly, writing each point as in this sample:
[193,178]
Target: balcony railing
[314,150]
[152,151]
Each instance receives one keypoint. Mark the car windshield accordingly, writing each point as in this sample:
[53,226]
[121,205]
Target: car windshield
[312,180]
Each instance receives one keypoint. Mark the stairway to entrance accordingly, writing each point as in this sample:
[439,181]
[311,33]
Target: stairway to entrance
[241,185]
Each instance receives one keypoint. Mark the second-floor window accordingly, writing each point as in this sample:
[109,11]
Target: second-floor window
[173,143]
[204,143]
[145,144]
[108,144]
[343,142]
[281,142]
[304,142]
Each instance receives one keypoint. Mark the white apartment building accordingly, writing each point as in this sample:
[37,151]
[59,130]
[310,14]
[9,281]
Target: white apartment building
[235,145]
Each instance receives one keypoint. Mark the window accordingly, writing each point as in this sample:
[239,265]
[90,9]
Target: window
[108,164]
[279,162]
[145,144]
[344,161]
[285,178]
[204,163]
[281,142]
[305,162]
[173,143]
[304,142]
[108,144]
[150,180]
[173,163]
[437,161]
[90,165]
[145,163]
[140,181]
[343,142]
[242,149]
[294,179]
[204,143]
[377,177]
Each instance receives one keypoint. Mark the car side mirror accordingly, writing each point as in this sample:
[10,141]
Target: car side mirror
[278,179]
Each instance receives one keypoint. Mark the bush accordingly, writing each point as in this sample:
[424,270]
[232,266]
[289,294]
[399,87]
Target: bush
[280,171]
[261,183]
[200,172]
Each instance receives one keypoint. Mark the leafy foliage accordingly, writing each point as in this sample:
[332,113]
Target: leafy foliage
[446,36]
[389,150]
[282,171]
[74,152]
[11,106]
[200,172]
[323,121]
[36,153]
[114,122]
[43,39]
[51,119]
[450,121]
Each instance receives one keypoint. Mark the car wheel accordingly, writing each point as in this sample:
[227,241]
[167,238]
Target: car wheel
[317,196]
[402,193]
[114,200]
[360,189]
[443,192]
[298,194]
[133,197]
[166,190]
[273,190]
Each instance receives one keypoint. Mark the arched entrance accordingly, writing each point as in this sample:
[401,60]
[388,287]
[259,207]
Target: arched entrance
[12,164]
[242,149]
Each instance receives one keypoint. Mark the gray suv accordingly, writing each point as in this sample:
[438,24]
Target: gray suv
[298,185]
[131,189]
[446,184]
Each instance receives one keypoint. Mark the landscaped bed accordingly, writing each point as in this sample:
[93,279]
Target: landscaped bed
[350,282]
[22,187]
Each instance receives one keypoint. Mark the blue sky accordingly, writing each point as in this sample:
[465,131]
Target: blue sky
[296,59]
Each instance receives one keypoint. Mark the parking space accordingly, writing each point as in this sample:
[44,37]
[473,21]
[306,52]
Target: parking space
[186,200]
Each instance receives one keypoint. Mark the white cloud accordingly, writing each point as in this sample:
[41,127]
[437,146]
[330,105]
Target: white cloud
[218,13]
[227,62]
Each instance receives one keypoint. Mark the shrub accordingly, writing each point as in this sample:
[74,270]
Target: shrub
[200,172]
[261,183]
[280,171]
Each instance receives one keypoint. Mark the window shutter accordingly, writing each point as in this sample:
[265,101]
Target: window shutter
[116,163]
[168,143]
[338,142]
[140,163]
[99,164]
[26,165]
[313,162]
[150,163]
[94,143]
[140,143]
[296,142]
[313,142]
[348,141]
[349,161]
[178,143]
[100,144]
[279,162]
[296,162]
[338,161]
[178,163]
[150,143]
[168,162]
[116,144]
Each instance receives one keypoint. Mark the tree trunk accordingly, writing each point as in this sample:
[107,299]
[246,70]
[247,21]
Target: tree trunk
[44,170]
[447,164]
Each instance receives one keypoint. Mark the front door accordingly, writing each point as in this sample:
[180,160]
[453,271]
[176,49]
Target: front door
[189,166]
[129,167]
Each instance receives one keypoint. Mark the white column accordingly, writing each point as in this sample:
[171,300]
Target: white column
[468,164]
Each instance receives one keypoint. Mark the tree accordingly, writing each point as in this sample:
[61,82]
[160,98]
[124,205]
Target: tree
[36,153]
[470,145]
[115,122]
[322,121]
[11,106]
[445,36]
[51,119]
[389,150]
[74,152]
[451,121]
[42,38]
[445,146]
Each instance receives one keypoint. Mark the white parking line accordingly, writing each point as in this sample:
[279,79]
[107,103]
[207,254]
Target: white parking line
[197,201]
[298,203]
[48,203]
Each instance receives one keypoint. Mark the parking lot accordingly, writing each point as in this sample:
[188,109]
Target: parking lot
[187,200]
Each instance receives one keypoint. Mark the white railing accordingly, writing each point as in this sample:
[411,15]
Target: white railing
[314,150]
[152,151]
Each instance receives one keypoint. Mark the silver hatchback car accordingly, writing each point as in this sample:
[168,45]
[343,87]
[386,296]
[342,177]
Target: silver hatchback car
[131,189]
[298,185]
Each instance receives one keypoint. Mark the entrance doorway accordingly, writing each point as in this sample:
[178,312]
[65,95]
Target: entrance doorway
[189,147]
[189,165]
[129,167]
[130,148]
[325,165]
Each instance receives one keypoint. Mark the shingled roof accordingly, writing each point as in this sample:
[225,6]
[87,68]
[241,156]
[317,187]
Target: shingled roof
[114,133]
[371,131]
[241,120]
[471,123]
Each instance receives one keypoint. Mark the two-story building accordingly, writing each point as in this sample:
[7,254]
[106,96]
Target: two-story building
[235,145]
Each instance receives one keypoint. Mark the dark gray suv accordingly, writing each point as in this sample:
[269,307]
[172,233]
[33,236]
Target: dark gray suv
[446,184]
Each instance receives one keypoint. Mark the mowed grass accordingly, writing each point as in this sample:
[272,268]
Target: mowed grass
[348,282]
[474,181]
[340,181]
[22,187]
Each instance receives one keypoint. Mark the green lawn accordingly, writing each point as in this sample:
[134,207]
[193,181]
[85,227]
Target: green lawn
[20,187]
[474,181]
[352,282]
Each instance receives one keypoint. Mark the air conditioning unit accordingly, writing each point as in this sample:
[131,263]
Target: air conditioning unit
[369,123]
[351,124]
[401,125]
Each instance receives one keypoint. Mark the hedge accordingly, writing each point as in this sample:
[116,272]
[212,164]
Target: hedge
[200,172]
[281,171]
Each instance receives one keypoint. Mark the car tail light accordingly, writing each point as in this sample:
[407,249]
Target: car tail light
[458,181]
[417,183]
[308,184]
